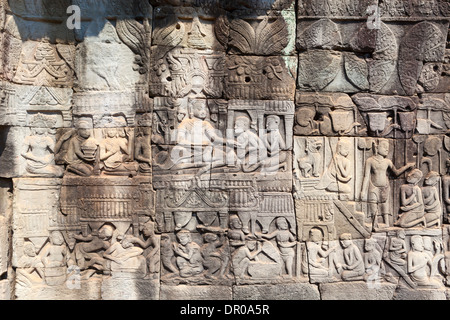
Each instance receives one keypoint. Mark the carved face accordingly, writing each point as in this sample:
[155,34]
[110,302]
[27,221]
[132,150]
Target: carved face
[242,124]
[383,148]
[200,111]
[251,245]
[29,249]
[57,238]
[235,223]
[39,131]
[84,133]
[315,235]
[148,229]
[111,132]
[417,243]
[369,245]
[282,224]
[344,148]
[105,232]
[272,123]
[414,176]
[184,238]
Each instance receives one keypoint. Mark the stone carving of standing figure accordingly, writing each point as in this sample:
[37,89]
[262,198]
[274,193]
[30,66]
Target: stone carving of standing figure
[376,189]
[286,243]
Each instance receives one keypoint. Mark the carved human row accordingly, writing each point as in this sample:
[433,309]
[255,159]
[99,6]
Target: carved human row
[64,255]
[359,179]
[414,259]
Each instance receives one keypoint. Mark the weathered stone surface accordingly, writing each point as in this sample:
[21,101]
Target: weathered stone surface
[184,292]
[298,291]
[357,291]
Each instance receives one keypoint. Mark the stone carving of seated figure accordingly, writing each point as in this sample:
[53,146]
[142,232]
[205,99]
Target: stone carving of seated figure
[188,255]
[115,151]
[274,143]
[39,150]
[81,151]
[419,264]
[198,144]
[126,258]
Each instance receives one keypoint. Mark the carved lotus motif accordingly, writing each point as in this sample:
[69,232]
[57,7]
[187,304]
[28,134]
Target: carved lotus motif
[266,39]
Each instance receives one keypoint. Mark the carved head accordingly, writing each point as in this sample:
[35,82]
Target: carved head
[273,123]
[106,232]
[414,176]
[111,132]
[282,223]
[29,249]
[343,148]
[184,237]
[345,240]
[199,109]
[369,245]
[315,235]
[235,222]
[431,179]
[148,229]
[84,129]
[57,238]
[383,148]
[417,243]
[241,125]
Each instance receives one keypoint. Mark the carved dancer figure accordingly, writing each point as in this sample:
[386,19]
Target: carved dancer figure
[286,243]
[376,189]
[412,207]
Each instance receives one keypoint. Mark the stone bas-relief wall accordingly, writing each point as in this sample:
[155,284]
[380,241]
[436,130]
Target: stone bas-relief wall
[208,149]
